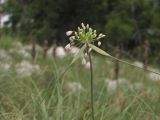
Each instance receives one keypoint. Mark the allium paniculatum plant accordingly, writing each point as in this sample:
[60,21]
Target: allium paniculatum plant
[85,37]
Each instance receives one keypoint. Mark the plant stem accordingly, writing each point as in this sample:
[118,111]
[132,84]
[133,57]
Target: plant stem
[91,83]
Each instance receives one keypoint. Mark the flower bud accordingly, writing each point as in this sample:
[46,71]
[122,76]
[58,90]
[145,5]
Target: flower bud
[90,30]
[100,35]
[103,35]
[83,26]
[79,29]
[67,47]
[99,43]
[68,33]
[72,38]
[87,26]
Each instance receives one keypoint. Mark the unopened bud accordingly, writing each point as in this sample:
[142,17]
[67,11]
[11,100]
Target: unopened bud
[72,38]
[68,33]
[87,26]
[83,26]
[99,43]
[67,47]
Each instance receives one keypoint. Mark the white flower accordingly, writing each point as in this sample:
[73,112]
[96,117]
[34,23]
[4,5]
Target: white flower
[72,38]
[67,47]
[84,61]
[154,77]
[68,33]
[60,52]
[4,56]
[82,24]
[100,34]
[87,26]
[24,53]
[5,66]
[74,50]
[74,86]
[99,43]
[111,85]
[50,52]
[139,64]
[25,69]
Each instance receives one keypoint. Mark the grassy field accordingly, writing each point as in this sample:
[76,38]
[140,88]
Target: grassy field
[42,96]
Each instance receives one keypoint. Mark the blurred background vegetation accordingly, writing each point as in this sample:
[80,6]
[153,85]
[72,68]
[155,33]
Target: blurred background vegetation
[126,23]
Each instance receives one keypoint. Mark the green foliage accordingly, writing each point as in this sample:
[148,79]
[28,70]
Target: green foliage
[123,21]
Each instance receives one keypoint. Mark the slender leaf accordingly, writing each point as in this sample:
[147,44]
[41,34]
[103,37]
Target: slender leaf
[98,50]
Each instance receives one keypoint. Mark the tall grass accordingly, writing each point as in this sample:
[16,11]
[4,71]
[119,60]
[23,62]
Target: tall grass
[43,97]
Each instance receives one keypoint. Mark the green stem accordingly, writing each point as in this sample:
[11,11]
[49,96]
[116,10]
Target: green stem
[91,83]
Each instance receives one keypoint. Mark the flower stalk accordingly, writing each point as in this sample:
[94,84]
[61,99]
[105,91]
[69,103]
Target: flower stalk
[91,85]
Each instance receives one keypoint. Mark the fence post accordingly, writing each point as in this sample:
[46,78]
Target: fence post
[145,55]
[54,47]
[116,70]
[33,51]
[45,49]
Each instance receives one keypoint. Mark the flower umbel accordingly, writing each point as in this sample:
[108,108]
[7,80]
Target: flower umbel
[84,35]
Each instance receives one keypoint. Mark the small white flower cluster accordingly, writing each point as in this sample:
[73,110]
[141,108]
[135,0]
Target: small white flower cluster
[5,66]
[154,77]
[25,69]
[4,57]
[85,62]
[50,52]
[84,35]
[60,52]
[20,52]
[24,53]
[113,84]
[18,45]
[74,86]
[73,50]
[139,64]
